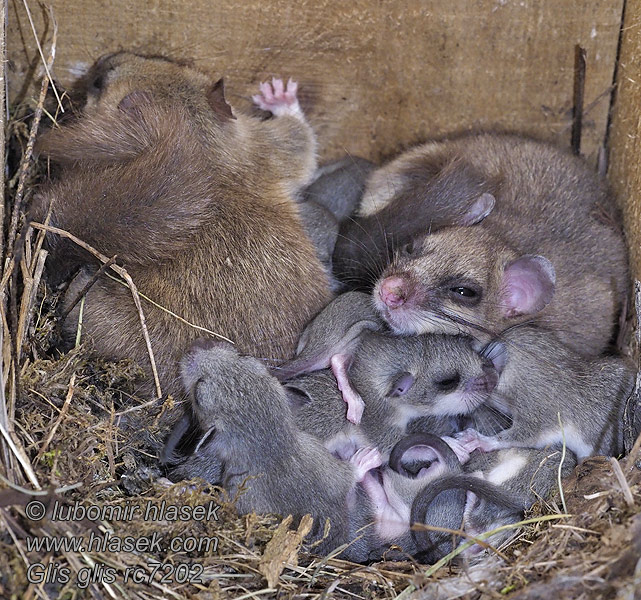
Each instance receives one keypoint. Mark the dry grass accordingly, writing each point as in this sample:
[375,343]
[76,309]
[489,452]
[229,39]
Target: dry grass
[74,431]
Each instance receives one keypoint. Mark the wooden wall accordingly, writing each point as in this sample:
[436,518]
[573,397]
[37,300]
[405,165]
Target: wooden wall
[625,134]
[377,75]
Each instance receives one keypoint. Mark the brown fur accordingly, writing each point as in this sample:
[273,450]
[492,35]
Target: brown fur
[546,202]
[197,203]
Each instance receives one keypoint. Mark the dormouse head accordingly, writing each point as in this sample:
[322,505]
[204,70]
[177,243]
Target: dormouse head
[462,280]
[233,396]
[422,375]
[128,104]
[124,80]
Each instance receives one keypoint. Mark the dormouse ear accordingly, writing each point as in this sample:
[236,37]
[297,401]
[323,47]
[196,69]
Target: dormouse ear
[135,100]
[528,286]
[480,208]
[297,397]
[216,98]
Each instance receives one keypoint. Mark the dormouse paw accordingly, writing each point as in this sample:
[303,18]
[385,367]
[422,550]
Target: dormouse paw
[364,460]
[471,440]
[339,364]
[279,98]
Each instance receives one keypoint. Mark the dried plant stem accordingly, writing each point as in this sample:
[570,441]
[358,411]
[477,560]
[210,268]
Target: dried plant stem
[4,417]
[473,540]
[97,275]
[173,314]
[25,165]
[3,101]
[46,63]
[27,305]
[22,459]
[61,416]
[623,482]
[81,312]
[560,469]
[123,273]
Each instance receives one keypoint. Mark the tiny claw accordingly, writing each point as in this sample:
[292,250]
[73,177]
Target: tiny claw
[364,460]
[277,84]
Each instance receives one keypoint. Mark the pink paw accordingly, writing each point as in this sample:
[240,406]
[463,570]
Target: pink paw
[355,408]
[471,440]
[278,98]
[355,405]
[364,460]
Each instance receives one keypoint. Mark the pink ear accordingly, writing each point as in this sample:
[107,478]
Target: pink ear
[216,98]
[134,100]
[481,208]
[528,286]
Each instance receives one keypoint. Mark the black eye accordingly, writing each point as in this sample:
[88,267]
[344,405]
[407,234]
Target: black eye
[402,384]
[464,291]
[448,384]
[98,83]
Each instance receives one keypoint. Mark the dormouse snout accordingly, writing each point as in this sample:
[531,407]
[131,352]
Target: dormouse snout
[400,290]
[394,291]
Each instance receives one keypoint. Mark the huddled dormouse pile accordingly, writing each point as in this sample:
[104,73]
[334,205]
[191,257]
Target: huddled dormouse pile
[412,345]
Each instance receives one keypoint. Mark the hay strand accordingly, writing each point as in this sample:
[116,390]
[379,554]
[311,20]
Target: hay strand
[132,286]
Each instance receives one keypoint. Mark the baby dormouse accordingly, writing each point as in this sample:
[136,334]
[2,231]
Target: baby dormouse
[498,487]
[554,395]
[415,461]
[396,379]
[249,440]
[399,380]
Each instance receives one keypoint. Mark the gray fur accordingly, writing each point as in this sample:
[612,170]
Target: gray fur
[339,186]
[535,481]
[378,362]
[336,329]
[258,447]
[500,486]
[542,378]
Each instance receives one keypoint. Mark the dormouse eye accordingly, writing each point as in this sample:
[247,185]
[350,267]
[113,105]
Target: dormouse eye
[464,291]
[402,384]
[98,83]
[448,384]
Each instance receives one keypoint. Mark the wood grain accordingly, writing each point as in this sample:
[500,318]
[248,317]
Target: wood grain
[625,134]
[376,76]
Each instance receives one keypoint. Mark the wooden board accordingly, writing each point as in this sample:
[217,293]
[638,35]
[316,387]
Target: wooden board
[625,135]
[376,75]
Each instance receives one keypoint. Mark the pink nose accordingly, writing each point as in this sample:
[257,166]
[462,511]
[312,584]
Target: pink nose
[393,291]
